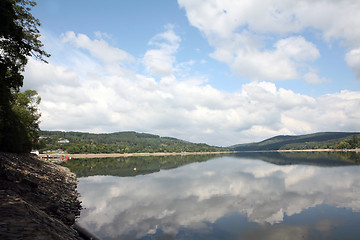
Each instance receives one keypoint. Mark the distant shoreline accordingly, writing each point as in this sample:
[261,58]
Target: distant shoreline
[305,150]
[109,155]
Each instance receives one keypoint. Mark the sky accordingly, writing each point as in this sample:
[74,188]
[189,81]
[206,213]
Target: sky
[210,71]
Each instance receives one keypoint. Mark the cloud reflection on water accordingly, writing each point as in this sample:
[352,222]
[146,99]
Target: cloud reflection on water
[201,193]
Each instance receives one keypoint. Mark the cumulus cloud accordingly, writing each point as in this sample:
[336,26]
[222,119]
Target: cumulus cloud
[238,30]
[280,63]
[111,58]
[41,75]
[353,60]
[98,48]
[313,77]
[190,196]
[297,48]
[160,61]
[82,87]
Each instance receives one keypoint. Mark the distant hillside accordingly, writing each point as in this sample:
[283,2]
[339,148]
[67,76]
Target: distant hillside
[310,141]
[120,142]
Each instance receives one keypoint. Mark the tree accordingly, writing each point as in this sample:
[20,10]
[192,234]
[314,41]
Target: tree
[25,106]
[23,122]
[19,39]
[354,141]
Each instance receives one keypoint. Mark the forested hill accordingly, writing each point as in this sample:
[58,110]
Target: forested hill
[323,140]
[120,142]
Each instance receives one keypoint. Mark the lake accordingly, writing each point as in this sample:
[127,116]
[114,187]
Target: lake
[243,196]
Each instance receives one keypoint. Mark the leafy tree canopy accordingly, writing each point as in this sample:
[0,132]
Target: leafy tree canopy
[19,39]
[120,142]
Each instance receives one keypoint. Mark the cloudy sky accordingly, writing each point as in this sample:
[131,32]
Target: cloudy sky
[219,72]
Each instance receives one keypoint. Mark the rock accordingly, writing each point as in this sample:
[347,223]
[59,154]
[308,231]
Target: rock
[29,183]
[70,216]
[34,204]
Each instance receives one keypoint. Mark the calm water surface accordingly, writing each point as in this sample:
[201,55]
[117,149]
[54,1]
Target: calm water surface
[228,197]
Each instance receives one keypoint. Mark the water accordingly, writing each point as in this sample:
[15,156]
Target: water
[227,197]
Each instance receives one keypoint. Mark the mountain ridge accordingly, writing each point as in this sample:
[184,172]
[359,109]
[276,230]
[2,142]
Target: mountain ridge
[307,141]
[132,142]
[118,142]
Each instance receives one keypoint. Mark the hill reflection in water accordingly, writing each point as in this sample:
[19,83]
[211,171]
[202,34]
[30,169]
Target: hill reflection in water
[124,167]
[227,197]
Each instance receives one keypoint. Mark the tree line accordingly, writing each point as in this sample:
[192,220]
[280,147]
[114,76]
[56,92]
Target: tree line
[121,142]
[344,143]
[352,143]
[322,140]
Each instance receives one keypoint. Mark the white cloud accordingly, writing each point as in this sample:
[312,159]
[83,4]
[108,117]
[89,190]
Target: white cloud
[112,57]
[236,30]
[297,48]
[48,74]
[100,35]
[312,77]
[353,60]
[80,93]
[282,62]
[160,61]
[269,65]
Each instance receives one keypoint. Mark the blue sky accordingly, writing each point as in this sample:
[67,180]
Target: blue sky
[220,72]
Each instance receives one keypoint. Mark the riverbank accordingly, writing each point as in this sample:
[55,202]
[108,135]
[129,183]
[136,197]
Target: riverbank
[109,155]
[38,200]
[357,150]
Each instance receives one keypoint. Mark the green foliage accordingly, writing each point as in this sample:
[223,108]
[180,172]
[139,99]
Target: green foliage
[25,106]
[18,41]
[324,140]
[349,143]
[22,124]
[121,142]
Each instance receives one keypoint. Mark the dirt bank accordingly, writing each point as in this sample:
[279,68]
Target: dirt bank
[106,155]
[38,200]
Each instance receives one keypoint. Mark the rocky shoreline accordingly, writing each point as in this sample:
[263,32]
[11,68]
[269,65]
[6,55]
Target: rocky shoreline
[38,200]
